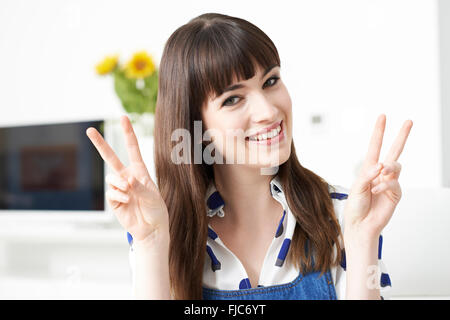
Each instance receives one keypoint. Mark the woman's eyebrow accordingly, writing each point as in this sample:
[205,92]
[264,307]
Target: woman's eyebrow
[239,85]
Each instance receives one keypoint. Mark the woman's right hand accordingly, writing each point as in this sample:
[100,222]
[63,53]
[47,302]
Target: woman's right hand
[132,194]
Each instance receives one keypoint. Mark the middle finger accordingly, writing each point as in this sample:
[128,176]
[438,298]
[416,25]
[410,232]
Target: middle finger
[376,141]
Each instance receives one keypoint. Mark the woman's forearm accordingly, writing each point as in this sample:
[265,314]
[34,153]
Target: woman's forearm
[152,268]
[362,272]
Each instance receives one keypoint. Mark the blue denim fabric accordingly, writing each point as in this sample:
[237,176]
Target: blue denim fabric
[311,286]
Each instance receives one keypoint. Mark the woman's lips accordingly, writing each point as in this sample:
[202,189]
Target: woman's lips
[267,129]
[268,141]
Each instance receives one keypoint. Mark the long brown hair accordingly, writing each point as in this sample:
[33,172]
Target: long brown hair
[200,58]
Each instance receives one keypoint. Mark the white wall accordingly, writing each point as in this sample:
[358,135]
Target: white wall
[444,41]
[355,60]
[347,61]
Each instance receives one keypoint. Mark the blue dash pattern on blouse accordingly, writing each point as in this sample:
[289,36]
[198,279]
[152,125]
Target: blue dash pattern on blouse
[214,202]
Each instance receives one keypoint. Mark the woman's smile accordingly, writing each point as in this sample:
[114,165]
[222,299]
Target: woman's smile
[272,135]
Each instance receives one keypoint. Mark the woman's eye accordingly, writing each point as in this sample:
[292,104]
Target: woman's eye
[270,83]
[275,80]
[230,99]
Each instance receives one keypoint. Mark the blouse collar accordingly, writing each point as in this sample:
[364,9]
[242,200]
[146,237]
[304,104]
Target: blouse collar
[215,203]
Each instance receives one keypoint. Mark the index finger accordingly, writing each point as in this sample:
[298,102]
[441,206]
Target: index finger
[399,143]
[376,141]
[105,150]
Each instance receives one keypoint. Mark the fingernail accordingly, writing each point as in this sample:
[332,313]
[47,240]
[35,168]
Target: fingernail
[124,198]
[377,167]
[123,185]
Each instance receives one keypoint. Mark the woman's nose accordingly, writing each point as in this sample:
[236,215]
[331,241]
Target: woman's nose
[262,109]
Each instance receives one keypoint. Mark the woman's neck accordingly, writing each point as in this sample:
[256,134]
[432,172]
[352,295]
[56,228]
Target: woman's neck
[247,197]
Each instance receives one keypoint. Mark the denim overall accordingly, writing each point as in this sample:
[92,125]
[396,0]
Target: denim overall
[311,286]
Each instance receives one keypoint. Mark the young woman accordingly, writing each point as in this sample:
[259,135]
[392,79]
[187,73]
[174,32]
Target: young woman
[218,224]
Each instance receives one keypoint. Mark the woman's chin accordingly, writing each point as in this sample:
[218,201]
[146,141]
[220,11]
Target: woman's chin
[268,162]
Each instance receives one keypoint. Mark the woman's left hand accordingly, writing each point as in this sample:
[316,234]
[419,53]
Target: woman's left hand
[376,192]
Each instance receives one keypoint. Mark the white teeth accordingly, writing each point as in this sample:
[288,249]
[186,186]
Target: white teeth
[273,133]
[267,135]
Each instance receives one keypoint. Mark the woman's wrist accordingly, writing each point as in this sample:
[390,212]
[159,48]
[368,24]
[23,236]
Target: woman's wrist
[152,267]
[360,232]
[158,239]
[364,249]
[361,254]
[359,239]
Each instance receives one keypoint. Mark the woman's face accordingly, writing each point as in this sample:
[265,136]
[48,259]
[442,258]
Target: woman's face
[251,122]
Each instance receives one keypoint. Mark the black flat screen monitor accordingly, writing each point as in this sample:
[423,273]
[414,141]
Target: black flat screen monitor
[51,167]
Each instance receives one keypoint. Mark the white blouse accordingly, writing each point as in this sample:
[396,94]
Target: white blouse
[223,270]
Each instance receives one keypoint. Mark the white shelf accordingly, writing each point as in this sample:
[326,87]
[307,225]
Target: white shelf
[64,233]
[41,289]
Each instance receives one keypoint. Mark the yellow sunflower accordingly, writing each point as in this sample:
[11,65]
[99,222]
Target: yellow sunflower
[107,65]
[140,66]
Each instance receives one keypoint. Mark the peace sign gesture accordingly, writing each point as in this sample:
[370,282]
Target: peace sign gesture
[132,195]
[376,192]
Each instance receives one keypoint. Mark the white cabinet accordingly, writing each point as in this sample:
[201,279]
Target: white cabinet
[64,263]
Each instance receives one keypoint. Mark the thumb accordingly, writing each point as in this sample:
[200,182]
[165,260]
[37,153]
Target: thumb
[365,178]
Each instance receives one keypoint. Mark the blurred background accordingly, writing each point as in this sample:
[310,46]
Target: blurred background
[344,63]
